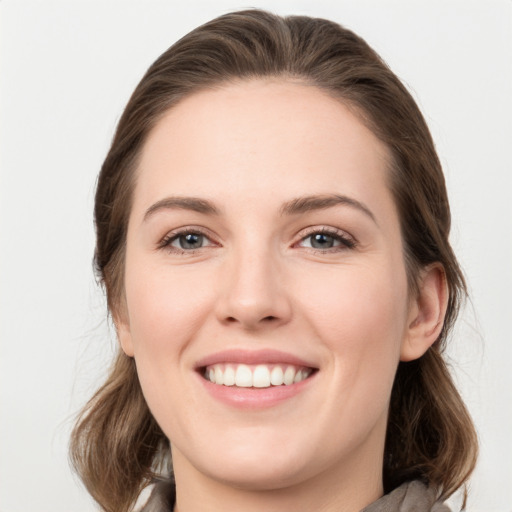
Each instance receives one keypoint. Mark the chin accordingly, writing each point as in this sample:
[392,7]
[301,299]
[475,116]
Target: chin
[258,476]
[254,463]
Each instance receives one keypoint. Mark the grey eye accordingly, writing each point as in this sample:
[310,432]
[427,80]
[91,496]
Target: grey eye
[322,241]
[189,241]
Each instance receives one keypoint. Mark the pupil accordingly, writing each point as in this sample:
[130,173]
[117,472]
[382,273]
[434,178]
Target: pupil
[191,241]
[321,241]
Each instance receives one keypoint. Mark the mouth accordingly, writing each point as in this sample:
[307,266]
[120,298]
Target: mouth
[255,375]
[255,379]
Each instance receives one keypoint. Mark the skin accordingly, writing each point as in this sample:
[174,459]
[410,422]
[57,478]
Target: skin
[256,282]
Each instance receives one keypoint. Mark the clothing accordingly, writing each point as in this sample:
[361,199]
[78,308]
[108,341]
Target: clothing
[412,496]
[409,497]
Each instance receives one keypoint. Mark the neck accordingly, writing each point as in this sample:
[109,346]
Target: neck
[348,488]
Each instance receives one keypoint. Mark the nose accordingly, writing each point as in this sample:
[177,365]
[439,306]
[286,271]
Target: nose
[252,292]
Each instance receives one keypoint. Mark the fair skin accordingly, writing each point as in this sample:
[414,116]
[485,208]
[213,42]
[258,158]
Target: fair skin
[263,235]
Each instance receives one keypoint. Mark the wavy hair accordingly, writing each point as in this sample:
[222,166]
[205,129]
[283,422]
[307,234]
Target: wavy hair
[117,447]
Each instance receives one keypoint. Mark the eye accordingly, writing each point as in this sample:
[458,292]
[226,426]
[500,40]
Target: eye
[188,241]
[185,241]
[326,239]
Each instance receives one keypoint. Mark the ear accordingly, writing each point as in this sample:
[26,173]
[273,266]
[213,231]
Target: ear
[426,314]
[124,335]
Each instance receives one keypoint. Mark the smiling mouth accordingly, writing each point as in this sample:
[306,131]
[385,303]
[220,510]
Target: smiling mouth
[255,376]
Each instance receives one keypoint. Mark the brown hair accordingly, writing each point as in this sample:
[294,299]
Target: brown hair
[117,447]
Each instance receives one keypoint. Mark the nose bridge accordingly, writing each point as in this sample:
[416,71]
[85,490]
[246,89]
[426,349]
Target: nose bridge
[252,291]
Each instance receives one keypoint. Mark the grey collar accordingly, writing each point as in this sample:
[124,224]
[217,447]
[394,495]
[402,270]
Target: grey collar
[412,496]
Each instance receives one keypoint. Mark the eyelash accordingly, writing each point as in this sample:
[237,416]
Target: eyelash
[346,242]
[166,242]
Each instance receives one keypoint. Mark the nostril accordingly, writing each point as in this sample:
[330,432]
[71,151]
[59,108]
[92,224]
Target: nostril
[266,319]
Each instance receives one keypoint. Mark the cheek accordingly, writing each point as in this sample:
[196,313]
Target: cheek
[165,308]
[361,317]
[371,299]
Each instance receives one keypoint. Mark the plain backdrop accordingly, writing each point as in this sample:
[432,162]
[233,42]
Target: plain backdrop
[67,69]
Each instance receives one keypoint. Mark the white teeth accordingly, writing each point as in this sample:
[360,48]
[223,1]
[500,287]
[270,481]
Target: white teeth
[219,376]
[259,376]
[289,375]
[229,376]
[277,376]
[243,376]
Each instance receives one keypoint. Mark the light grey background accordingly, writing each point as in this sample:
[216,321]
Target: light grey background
[68,68]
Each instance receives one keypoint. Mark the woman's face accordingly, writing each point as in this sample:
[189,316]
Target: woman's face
[266,293]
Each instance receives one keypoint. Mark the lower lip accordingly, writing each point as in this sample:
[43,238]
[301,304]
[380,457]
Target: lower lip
[254,398]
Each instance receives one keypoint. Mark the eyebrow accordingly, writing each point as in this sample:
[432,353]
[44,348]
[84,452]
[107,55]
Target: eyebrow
[182,203]
[321,202]
[293,207]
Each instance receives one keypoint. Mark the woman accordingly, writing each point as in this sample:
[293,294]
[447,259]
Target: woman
[272,232]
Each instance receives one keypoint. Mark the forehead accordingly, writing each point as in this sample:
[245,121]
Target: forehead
[258,136]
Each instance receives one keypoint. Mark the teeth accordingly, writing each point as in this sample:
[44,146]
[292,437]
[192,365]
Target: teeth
[289,375]
[229,376]
[259,376]
[277,376]
[298,376]
[243,377]
[219,376]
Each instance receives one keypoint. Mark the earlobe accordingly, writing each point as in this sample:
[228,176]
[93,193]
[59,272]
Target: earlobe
[124,334]
[427,313]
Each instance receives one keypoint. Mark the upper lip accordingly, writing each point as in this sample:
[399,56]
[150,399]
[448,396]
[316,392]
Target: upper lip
[267,356]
